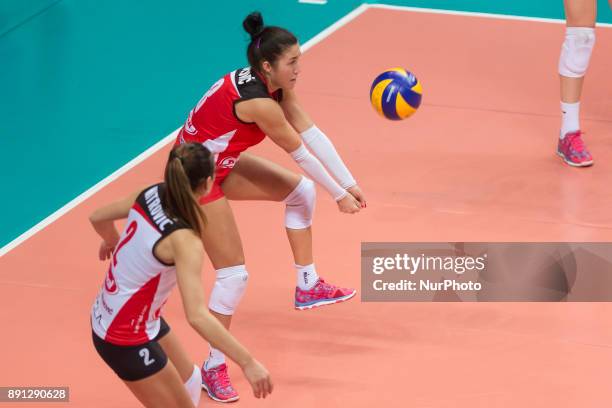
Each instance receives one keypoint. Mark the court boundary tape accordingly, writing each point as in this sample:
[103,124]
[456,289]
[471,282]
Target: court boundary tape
[152,150]
[306,46]
[334,27]
[317,2]
[474,14]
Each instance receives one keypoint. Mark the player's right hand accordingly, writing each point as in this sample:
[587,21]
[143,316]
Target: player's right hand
[349,204]
[105,251]
[259,378]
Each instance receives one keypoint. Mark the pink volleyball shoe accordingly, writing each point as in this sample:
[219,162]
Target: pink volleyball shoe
[217,384]
[573,151]
[322,293]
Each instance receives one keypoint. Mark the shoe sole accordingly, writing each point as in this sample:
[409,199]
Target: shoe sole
[326,302]
[212,396]
[583,164]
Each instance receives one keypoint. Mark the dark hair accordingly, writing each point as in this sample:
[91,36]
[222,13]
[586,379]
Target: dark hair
[188,166]
[267,43]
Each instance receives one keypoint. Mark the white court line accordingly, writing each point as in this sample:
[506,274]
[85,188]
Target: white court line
[85,195]
[151,150]
[474,14]
[334,27]
[321,2]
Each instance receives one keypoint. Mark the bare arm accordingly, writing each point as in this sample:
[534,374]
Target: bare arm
[320,145]
[270,118]
[297,117]
[188,251]
[103,221]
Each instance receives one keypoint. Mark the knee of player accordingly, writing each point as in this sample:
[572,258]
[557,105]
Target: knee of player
[228,289]
[310,191]
[576,51]
[300,205]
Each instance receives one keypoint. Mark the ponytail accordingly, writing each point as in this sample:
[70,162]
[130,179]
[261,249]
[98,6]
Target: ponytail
[188,166]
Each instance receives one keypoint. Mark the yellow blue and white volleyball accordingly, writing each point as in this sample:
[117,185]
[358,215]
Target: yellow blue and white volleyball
[396,94]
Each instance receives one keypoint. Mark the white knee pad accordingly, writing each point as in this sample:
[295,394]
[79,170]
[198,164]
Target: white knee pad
[576,51]
[228,289]
[194,385]
[300,205]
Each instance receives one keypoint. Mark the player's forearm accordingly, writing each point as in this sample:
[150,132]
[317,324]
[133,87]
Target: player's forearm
[219,337]
[106,229]
[320,145]
[315,170]
[103,219]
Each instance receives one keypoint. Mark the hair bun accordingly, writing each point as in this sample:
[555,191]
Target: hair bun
[253,24]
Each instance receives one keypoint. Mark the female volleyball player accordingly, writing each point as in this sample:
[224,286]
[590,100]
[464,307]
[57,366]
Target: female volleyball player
[159,247]
[573,63]
[237,112]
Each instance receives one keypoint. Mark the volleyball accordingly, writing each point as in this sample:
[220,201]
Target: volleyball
[396,94]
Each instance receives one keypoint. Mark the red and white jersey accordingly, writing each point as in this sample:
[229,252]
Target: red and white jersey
[137,285]
[214,123]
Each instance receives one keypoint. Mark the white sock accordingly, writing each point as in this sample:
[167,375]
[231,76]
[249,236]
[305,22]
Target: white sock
[194,385]
[215,359]
[570,121]
[307,276]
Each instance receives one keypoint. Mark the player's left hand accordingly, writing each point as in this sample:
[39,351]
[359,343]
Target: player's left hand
[259,378]
[356,192]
